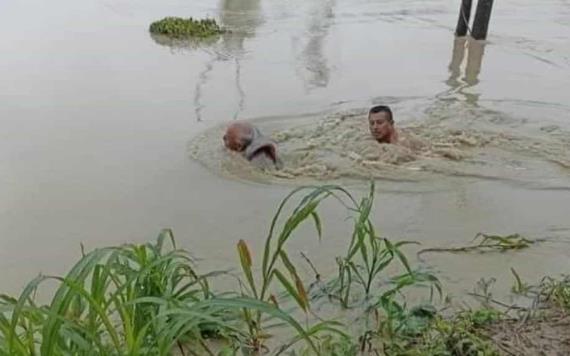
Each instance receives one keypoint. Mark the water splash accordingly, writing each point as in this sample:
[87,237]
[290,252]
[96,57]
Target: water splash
[339,146]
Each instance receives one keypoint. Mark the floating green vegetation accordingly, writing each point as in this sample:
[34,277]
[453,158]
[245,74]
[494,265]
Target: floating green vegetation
[489,243]
[180,28]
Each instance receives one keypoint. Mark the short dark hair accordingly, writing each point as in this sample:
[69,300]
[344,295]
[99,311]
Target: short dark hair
[382,108]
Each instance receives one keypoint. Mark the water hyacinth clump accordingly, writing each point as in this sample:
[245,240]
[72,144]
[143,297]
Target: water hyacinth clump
[177,27]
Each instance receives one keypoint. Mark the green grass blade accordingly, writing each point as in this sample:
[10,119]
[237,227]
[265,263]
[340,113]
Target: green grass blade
[318,224]
[300,298]
[246,264]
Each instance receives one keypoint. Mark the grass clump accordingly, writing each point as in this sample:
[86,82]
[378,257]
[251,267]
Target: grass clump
[460,335]
[556,292]
[181,28]
[128,300]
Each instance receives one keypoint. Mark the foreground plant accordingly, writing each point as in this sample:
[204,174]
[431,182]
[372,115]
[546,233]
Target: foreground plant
[149,299]
[277,267]
[114,301]
[365,264]
[368,259]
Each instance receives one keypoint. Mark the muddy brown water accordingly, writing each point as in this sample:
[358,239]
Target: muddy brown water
[99,125]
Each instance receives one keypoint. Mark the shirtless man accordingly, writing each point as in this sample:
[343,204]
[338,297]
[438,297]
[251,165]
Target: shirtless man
[381,122]
[241,136]
[382,128]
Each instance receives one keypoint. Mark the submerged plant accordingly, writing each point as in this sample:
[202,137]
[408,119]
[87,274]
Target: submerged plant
[176,27]
[489,243]
[519,286]
[276,266]
[367,259]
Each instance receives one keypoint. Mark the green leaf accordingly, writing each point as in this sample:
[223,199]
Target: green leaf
[318,225]
[246,263]
[399,254]
[299,298]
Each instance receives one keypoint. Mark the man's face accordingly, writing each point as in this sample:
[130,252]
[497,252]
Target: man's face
[381,127]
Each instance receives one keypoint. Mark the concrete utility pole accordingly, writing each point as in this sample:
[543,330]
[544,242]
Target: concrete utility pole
[481,21]
[464,16]
[482,17]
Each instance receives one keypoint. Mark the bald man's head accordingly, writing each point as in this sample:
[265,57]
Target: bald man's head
[239,135]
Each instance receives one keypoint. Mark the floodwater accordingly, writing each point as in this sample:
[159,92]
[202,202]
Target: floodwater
[108,134]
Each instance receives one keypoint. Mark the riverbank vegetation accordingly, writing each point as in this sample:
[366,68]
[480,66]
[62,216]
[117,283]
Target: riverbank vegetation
[152,299]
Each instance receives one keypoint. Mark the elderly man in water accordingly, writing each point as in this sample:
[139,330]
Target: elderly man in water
[243,137]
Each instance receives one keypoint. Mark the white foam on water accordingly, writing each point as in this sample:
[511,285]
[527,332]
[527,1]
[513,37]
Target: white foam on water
[339,146]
